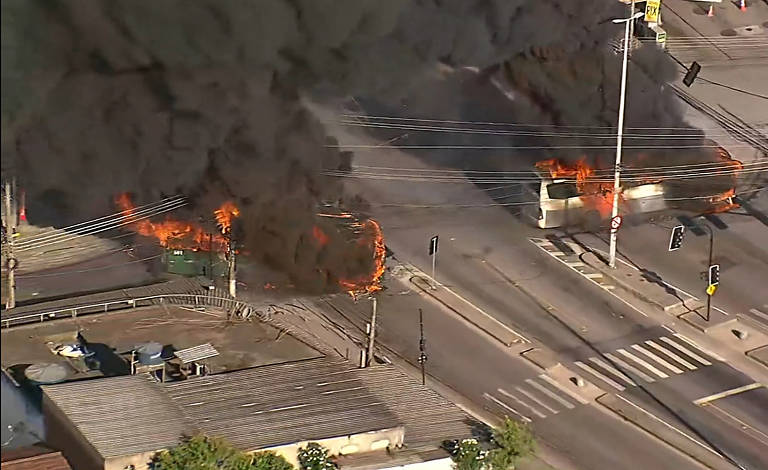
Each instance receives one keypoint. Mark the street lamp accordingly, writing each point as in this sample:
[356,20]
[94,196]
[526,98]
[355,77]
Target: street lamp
[619,136]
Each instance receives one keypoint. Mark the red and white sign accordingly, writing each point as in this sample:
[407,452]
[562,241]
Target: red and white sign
[616,222]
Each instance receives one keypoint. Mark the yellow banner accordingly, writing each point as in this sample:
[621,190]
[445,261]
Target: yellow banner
[652,8]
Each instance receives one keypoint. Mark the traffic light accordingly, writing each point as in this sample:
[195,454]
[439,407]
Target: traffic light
[714,275]
[676,240]
[692,73]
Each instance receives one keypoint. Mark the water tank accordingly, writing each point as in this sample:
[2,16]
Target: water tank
[148,354]
[46,373]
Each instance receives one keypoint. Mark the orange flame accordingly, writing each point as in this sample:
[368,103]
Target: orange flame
[319,235]
[178,234]
[224,216]
[370,283]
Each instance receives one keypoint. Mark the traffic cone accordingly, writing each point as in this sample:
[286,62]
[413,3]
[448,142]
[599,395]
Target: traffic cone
[711,11]
[743,5]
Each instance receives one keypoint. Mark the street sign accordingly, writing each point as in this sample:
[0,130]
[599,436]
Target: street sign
[652,11]
[433,245]
[616,222]
[676,239]
[714,275]
[711,289]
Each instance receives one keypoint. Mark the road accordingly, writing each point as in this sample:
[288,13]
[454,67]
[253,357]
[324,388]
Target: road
[487,257]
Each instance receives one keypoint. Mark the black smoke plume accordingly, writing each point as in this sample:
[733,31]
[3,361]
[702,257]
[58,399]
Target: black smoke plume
[203,97]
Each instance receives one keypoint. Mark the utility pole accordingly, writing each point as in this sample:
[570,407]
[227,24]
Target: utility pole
[371,334]
[619,138]
[10,235]
[231,263]
[422,349]
[709,263]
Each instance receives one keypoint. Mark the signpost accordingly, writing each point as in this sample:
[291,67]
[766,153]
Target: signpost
[433,254]
[422,349]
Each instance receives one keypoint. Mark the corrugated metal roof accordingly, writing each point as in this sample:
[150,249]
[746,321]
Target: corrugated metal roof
[121,415]
[283,403]
[259,407]
[196,353]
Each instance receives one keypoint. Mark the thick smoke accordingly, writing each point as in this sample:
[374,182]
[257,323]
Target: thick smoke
[203,98]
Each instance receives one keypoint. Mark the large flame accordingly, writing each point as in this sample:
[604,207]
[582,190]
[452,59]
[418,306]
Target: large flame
[371,282]
[178,234]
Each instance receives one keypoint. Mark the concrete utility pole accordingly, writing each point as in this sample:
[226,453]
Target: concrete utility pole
[371,334]
[619,137]
[231,263]
[10,235]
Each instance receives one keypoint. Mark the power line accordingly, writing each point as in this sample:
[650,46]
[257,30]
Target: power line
[80,271]
[522,147]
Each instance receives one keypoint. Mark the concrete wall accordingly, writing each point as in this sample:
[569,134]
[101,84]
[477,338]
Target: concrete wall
[345,445]
[139,461]
[62,435]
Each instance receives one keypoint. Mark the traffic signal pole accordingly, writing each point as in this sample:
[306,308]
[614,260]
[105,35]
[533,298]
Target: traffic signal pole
[709,262]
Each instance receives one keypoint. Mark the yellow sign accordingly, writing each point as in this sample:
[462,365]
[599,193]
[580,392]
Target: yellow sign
[711,289]
[652,8]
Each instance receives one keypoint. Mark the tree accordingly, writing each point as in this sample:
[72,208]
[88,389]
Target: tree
[315,457]
[207,453]
[513,441]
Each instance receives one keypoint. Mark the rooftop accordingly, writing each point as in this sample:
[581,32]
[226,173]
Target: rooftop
[35,457]
[260,407]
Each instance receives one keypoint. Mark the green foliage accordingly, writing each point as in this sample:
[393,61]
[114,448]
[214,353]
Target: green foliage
[315,457]
[513,441]
[468,455]
[206,453]
[510,443]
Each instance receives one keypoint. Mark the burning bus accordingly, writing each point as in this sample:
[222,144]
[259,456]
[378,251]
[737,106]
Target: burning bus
[576,194]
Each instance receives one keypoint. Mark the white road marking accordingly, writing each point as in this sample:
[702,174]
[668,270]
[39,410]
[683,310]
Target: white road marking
[607,286]
[630,368]
[593,275]
[535,400]
[612,370]
[671,354]
[506,407]
[668,425]
[554,383]
[592,278]
[696,345]
[685,351]
[550,393]
[556,253]
[600,376]
[574,264]
[668,329]
[656,358]
[534,410]
[728,393]
[759,313]
[643,363]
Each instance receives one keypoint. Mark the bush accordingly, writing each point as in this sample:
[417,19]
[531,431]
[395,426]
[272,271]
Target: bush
[512,441]
[206,453]
[315,457]
[468,455]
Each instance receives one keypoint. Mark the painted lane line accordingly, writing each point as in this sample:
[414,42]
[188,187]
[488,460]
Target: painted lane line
[629,368]
[685,351]
[554,383]
[653,416]
[593,276]
[613,370]
[669,353]
[521,402]
[696,345]
[643,363]
[759,313]
[727,393]
[506,407]
[668,329]
[535,400]
[656,358]
[600,376]
[550,393]
[763,436]
[597,283]
[556,253]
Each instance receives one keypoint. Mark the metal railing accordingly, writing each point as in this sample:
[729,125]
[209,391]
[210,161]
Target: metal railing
[123,304]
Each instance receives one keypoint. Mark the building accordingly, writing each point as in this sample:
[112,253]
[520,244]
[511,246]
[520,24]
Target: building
[36,457]
[374,418]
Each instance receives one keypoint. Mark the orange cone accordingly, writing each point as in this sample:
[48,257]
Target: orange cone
[743,6]
[711,11]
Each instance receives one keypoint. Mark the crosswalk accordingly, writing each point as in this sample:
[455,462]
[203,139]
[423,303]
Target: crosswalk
[647,361]
[538,398]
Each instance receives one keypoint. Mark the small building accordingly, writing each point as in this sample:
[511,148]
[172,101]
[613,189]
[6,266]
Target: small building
[192,263]
[36,457]
[374,413]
